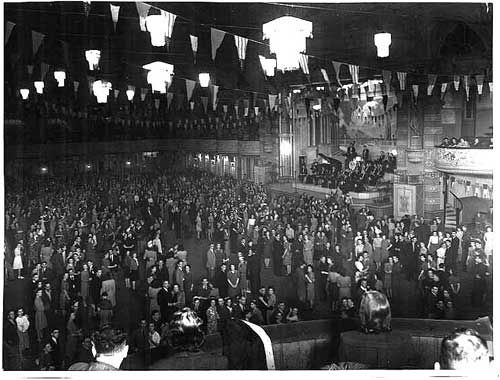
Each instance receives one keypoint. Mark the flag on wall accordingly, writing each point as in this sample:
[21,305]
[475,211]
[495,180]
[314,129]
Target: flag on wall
[115,10]
[170,22]
[190,84]
[194,45]
[272,101]
[303,62]
[354,70]
[217,36]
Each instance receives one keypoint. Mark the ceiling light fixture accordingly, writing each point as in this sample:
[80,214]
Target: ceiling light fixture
[204,79]
[287,39]
[60,77]
[382,42]
[101,90]
[160,73]
[24,93]
[157,27]
[130,93]
[39,85]
[93,57]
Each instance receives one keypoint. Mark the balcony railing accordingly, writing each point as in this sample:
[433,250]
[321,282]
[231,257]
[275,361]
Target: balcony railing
[465,161]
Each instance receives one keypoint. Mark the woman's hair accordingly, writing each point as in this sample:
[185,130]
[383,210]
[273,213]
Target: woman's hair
[185,332]
[375,312]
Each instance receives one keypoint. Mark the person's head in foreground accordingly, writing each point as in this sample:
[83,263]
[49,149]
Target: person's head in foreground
[375,312]
[185,332]
[464,349]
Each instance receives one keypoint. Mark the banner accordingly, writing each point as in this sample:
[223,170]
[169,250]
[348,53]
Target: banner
[8,30]
[213,92]
[194,45]
[336,67]
[142,10]
[36,39]
[241,46]
[303,62]
[354,70]
[170,96]
[272,101]
[115,10]
[431,80]
[189,88]
[217,36]
[204,101]
[402,80]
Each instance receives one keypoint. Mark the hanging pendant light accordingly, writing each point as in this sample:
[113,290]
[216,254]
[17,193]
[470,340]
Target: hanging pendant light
[39,85]
[130,93]
[93,57]
[287,38]
[204,79]
[101,90]
[382,42]
[60,77]
[25,92]
[157,27]
[160,73]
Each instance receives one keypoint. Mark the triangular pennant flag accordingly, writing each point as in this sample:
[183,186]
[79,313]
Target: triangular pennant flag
[214,89]
[456,82]
[216,37]
[142,10]
[402,80]
[336,67]
[241,46]
[236,110]
[354,70]
[189,88]
[256,110]
[467,85]
[194,45]
[30,69]
[8,30]
[116,92]
[76,84]
[272,101]
[36,39]
[191,106]
[44,68]
[224,108]
[115,10]
[303,62]
[144,92]
[157,104]
[170,96]
[443,89]
[204,101]
[479,84]
[169,22]
[246,111]
[431,81]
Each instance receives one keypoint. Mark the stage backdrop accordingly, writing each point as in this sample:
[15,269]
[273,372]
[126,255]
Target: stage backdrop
[356,119]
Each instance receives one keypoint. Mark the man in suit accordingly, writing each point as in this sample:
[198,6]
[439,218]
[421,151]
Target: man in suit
[163,298]
[57,354]
[240,309]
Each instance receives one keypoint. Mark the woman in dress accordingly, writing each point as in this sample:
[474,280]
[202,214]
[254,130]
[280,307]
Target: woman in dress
[134,270]
[233,279]
[198,226]
[23,324]
[84,281]
[377,250]
[40,318]
[212,317]
[17,265]
[242,271]
[310,280]
[153,289]
[308,250]
[433,244]
[268,249]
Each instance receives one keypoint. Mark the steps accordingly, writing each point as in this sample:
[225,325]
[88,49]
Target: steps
[451,219]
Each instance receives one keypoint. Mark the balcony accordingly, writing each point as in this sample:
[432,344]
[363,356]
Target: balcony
[465,161]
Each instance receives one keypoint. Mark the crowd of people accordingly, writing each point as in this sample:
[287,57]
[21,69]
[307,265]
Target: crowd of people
[76,244]
[462,142]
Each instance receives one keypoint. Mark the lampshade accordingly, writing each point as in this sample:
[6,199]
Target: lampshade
[157,27]
[287,38]
[101,90]
[93,57]
[39,85]
[24,93]
[159,74]
[268,65]
[382,42]
[204,79]
[130,93]
[60,77]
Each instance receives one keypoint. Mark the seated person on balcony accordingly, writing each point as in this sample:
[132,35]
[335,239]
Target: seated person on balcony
[464,349]
[463,143]
[445,143]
